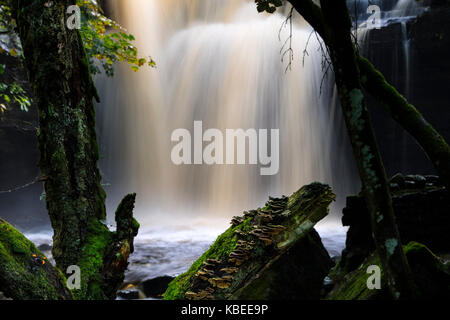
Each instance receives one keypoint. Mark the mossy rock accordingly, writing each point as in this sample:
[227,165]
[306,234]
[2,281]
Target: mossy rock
[25,273]
[252,252]
[431,276]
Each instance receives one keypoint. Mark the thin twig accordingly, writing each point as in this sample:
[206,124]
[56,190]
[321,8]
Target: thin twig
[289,51]
[305,51]
[36,180]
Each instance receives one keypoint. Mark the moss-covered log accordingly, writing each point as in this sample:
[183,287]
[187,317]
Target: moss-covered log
[59,74]
[25,273]
[431,276]
[249,260]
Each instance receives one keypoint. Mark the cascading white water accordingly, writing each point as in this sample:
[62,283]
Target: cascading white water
[406,8]
[400,12]
[218,62]
[392,11]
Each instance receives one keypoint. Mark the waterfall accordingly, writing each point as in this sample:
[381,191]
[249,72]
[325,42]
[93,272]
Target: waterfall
[405,8]
[398,12]
[392,11]
[218,62]
[407,56]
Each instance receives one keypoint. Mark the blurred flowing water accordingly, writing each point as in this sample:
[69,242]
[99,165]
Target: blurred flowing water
[219,62]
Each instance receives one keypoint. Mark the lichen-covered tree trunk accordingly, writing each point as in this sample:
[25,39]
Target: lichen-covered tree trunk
[331,20]
[368,159]
[58,71]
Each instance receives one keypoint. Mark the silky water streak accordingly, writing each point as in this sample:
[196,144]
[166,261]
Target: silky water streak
[219,62]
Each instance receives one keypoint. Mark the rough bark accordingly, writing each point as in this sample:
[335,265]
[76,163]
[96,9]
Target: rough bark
[370,166]
[331,20]
[59,73]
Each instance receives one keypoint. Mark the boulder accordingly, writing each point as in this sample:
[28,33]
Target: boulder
[421,214]
[129,293]
[25,273]
[268,253]
[155,288]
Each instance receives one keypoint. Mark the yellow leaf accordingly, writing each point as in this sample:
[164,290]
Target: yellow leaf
[13,52]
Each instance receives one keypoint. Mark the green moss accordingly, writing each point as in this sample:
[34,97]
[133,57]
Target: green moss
[24,271]
[221,249]
[96,245]
[136,224]
[431,276]
[14,242]
[356,118]
[354,285]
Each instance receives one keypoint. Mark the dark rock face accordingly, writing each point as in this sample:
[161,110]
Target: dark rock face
[155,288]
[423,78]
[421,207]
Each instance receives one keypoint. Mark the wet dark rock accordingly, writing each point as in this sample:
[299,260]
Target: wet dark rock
[129,294]
[398,180]
[328,285]
[421,214]
[411,185]
[434,180]
[418,180]
[394,187]
[3,297]
[424,82]
[45,247]
[154,288]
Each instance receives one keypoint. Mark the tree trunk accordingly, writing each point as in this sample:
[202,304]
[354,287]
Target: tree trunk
[332,22]
[59,73]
